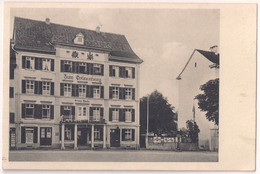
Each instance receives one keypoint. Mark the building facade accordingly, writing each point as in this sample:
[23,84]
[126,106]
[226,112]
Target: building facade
[72,88]
[201,67]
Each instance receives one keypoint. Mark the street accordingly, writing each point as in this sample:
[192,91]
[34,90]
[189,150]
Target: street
[112,156]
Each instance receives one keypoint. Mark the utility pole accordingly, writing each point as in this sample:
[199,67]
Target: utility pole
[147,122]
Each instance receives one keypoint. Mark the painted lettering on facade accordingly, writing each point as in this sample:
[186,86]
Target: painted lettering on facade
[81,78]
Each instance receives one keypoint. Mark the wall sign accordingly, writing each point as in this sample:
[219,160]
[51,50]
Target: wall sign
[81,78]
[90,56]
[75,54]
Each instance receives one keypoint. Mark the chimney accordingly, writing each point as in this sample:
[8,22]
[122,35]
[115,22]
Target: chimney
[214,49]
[47,21]
[98,29]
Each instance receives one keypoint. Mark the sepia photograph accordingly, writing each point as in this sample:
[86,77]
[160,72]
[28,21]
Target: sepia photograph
[114,84]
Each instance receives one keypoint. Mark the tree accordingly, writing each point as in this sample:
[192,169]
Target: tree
[209,100]
[161,114]
[193,131]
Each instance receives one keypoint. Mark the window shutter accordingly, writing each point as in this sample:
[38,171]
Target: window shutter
[133,135]
[40,64]
[102,91]
[22,134]
[40,87]
[121,116]
[62,89]
[52,64]
[123,134]
[36,87]
[73,110]
[35,135]
[37,111]
[91,91]
[23,62]
[90,68]
[133,93]
[23,86]
[110,71]
[121,90]
[36,63]
[110,114]
[52,112]
[91,111]
[121,71]
[61,110]
[73,90]
[110,92]
[124,93]
[133,115]
[102,70]
[124,72]
[52,88]
[62,66]
[88,91]
[75,66]
[23,110]
[76,90]
[133,73]
[101,112]
[101,134]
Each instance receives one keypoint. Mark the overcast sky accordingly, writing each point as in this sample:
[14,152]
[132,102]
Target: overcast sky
[164,39]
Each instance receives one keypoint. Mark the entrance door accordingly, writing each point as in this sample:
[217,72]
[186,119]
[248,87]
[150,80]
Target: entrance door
[46,136]
[82,136]
[115,137]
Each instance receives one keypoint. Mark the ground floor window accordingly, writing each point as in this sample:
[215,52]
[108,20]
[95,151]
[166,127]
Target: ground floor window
[29,135]
[69,132]
[128,135]
[98,134]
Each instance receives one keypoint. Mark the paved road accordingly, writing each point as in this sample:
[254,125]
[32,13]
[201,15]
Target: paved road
[113,156]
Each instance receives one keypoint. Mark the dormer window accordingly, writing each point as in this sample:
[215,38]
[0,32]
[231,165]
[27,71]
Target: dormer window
[79,39]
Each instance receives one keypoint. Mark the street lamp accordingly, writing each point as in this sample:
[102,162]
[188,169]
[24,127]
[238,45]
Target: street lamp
[147,121]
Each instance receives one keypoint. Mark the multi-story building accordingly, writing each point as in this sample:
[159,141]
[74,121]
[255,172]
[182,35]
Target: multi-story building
[72,87]
[201,67]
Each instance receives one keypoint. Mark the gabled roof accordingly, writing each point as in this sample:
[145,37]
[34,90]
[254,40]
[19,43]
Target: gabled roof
[37,35]
[211,56]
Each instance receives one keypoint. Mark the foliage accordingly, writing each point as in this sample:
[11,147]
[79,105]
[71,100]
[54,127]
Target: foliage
[209,100]
[190,134]
[161,115]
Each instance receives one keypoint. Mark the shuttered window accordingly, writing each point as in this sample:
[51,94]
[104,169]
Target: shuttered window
[37,63]
[11,92]
[128,134]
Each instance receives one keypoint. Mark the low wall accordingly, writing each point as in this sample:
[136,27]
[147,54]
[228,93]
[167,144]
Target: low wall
[173,146]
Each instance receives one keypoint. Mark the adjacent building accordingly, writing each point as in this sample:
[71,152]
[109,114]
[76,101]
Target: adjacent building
[201,67]
[72,88]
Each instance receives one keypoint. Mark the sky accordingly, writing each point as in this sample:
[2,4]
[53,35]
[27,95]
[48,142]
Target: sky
[163,38]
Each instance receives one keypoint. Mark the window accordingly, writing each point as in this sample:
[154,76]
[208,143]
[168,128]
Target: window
[82,111]
[67,90]
[83,68]
[46,111]
[96,114]
[46,64]
[29,63]
[29,110]
[11,92]
[128,114]
[46,88]
[114,71]
[128,135]
[97,69]
[79,39]
[115,115]
[97,134]
[29,86]
[68,133]
[29,135]
[11,119]
[115,93]
[128,93]
[67,110]
[96,92]
[128,72]
[67,66]
[82,90]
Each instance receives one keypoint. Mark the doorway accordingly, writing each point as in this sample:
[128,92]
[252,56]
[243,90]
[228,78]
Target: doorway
[115,137]
[46,136]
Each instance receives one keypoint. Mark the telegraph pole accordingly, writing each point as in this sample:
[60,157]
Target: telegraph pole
[147,121]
